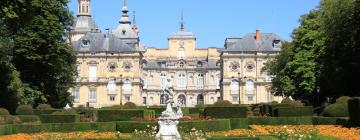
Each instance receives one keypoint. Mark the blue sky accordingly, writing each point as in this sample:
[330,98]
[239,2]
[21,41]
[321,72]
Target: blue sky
[212,21]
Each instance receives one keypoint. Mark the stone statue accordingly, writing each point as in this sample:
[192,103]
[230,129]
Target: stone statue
[168,120]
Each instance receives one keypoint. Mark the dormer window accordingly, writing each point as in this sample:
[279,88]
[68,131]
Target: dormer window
[85,43]
[199,64]
[276,43]
[123,32]
[181,64]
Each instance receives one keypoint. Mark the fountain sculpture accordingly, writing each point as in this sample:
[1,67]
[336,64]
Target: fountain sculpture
[169,118]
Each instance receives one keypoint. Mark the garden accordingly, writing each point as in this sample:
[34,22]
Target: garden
[221,121]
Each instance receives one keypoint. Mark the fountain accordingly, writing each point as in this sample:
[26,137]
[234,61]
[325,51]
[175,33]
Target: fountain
[169,118]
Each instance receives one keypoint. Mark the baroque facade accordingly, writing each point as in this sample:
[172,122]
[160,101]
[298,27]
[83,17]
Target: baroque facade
[115,67]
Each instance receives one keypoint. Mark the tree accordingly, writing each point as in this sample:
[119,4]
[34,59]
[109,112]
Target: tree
[10,83]
[45,61]
[341,59]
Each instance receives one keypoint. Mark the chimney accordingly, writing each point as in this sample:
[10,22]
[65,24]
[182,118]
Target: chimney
[257,37]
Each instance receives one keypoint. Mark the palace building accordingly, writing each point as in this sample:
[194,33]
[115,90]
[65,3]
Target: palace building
[115,67]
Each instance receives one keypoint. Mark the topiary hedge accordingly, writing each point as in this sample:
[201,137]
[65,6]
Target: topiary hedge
[293,111]
[45,111]
[233,138]
[44,107]
[129,105]
[280,121]
[24,110]
[4,111]
[159,110]
[226,112]
[354,111]
[336,110]
[237,123]
[328,121]
[207,126]
[109,115]
[8,119]
[29,118]
[57,127]
[59,118]
[223,103]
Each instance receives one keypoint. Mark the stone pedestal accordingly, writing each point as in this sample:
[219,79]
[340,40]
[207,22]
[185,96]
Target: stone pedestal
[168,122]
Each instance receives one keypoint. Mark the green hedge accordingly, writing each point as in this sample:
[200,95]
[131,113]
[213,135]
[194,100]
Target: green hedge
[56,127]
[329,121]
[159,110]
[293,111]
[59,118]
[193,110]
[210,125]
[45,111]
[207,126]
[336,110]
[280,121]
[109,115]
[354,111]
[272,107]
[130,126]
[29,118]
[226,112]
[9,119]
[237,123]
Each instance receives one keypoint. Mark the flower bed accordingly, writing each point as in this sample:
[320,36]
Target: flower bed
[84,135]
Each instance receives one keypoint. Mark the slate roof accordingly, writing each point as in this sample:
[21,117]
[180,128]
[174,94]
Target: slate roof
[84,24]
[99,42]
[151,64]
[181,33]
[268,42]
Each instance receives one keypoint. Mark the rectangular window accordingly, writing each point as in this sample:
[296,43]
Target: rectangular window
[250,98]
[92,96]
[76,94]
[78,70]
[200,81]
[112,98]
[92,73]
[127,98]
[235,98]
[144,100]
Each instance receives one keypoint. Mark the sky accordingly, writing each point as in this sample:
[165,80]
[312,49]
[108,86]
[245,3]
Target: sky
[212,21]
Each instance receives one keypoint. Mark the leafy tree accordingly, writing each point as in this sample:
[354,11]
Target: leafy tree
[341,59]
[45,61]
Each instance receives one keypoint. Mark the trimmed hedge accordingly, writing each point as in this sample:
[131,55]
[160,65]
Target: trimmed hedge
[45,111]
[293,111]
[210,125]
[3,111]
[59,118]
[354,111]
[237,123]
[130,126]
[329,121]
[9,119]
[24,110]
[193,110]
[271,108]
[226,112]
[110,115]
[206,126]
[280,121]
[56,127]
[159,110]
[29,118]
[336,110]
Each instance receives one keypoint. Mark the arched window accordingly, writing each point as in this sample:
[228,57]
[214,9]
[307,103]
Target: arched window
[200,81]
[200,99]
[234,87]
[162,80]
[111,87]
[182,81]
[182,99]
[127,86]
[181,64]
[162,99]
[249,87]
[181,53]
[217,80]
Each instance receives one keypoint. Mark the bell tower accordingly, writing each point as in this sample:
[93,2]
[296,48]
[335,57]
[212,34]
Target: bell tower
[84,8]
